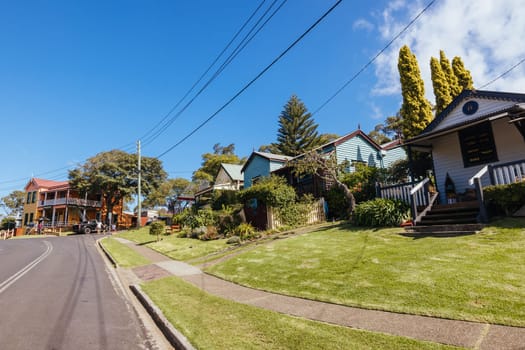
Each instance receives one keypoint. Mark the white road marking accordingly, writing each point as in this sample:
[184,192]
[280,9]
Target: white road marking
[8,282]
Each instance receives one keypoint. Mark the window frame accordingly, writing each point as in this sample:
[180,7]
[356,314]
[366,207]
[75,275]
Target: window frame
[477,145]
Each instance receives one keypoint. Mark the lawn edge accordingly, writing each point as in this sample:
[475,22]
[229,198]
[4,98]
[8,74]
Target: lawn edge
[175,338]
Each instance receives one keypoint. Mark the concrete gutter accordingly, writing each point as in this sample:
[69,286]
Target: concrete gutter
[107,253]
[176,338]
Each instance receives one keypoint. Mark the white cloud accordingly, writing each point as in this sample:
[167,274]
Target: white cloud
[363,24]
[486,34]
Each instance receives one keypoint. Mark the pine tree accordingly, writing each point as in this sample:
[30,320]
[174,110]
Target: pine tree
[440,85]
[464,78]
[453,84]
[415,111]
[297,130]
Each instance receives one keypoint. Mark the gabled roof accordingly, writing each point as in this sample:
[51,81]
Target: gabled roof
[279,158]
[233,171]
[433,129]
[47,184]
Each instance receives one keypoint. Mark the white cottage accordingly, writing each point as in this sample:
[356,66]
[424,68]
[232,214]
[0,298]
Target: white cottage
[478,139]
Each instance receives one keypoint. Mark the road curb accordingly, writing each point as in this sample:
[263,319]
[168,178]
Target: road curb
[176,339]
[107,253]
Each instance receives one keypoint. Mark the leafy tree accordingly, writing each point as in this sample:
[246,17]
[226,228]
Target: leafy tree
[416,111]
[378,134]
[325,167]
[114,175]
[362,182]
[297,131]
[7,223]
[272,191]
[13,203]
[167,192]
[440,84]
[211,162]
[455,88]
[464,78]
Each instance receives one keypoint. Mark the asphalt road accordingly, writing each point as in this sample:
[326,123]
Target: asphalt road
[55,293]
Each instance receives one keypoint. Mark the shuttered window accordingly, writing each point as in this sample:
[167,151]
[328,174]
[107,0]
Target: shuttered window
[477,145]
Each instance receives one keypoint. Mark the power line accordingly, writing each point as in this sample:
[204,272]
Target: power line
[228,60]
[145,136]
[373,58]
[254,79]
[504,73]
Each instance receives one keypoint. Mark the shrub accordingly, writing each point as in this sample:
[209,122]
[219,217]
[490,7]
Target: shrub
[295,214]
[505,198]
[380,212]
[196,218]
[245,231]
[157,228]
[362,182]
[222,198]
[337,204]
[272,191]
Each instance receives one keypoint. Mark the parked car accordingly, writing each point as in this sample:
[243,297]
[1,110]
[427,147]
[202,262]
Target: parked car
[87,227]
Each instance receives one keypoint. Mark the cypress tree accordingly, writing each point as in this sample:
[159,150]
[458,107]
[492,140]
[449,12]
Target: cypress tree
[415,111]
[440,85]
[453,84]
[297,130]
[464,78]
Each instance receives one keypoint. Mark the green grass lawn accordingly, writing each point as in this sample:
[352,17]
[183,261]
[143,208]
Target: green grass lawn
[478,277]
[210,322]
[124,255]
[174,247]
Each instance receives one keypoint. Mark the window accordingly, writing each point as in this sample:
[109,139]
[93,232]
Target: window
[25,219]
[33,197]
[30,217]
[28,200]
[477,145]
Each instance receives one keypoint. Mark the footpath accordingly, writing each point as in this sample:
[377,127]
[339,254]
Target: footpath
[472,335]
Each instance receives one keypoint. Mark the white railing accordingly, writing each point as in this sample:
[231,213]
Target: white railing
[416,195]
[400,191]
[507,173]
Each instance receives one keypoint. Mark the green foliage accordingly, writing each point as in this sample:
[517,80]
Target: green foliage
[297,131]
[222,198]
[453,84]
[380,212]
[337,204]
[167,192]
[398,171]
[13,202]
[296,213]
[440,84]
[211,162]
[362,182]
[7,223]
[464,77]
[506,198]
[196,218]
[245,231]
[157,228]
[272,190]
[416,111]
[114,174]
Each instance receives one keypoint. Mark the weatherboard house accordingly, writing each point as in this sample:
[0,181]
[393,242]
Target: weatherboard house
[352,148]
[478,140]
[229,178]
[56,204]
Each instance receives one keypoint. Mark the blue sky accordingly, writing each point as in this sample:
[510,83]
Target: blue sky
[82,77]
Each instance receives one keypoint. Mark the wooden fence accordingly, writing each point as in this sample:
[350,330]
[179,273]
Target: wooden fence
[315,215]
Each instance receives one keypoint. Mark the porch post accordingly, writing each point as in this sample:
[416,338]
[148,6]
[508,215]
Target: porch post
[479,194]
[410,163]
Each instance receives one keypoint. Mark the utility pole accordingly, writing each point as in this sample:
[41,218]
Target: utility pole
[139,210]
